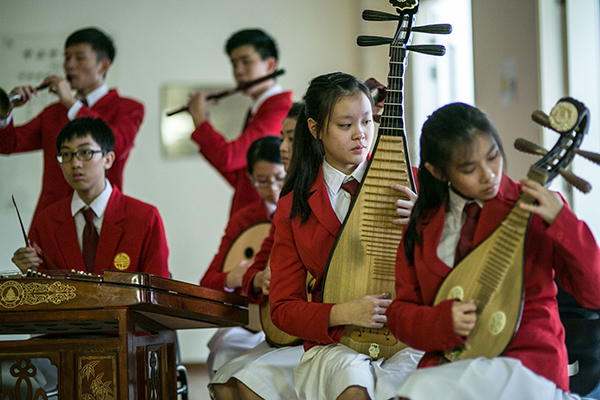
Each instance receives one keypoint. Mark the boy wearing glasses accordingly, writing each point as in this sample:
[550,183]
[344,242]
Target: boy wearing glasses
[96,228]
[82,92]
[266,173]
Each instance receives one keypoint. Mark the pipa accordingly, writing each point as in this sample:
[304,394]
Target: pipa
[363,258]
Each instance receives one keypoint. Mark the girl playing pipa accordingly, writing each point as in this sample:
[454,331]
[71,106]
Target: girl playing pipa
[462,163]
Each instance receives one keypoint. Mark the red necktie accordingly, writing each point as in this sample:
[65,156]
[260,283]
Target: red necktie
[90,239]
[351,186]
[472,211]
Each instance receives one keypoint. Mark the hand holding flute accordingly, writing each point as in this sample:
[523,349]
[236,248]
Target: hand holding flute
[55,84]
[201,106]
[61,87]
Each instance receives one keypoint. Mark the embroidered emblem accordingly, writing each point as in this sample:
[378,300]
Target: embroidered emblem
[122,261]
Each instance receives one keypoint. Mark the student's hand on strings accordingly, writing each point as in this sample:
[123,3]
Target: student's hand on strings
[404,207]
[199,107]
[463,317]
[548,203]
[26,258]
[27,93]
[234,277]
[62,88]
[367,311]
[262,281]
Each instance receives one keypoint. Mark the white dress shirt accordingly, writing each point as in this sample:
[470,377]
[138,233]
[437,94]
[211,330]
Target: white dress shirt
[340,199]
[92,98]
[455,219]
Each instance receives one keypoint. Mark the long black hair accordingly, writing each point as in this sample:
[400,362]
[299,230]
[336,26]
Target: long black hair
[450,128]
[321,97]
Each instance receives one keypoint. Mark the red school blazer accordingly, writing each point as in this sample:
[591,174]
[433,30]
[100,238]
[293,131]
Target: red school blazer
[262,257]
[298,248]
[229,158]
[123,115]
[132,238]
[243,219]
[565,248]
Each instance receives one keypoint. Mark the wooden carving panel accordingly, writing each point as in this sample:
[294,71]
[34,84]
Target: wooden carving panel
[97,377]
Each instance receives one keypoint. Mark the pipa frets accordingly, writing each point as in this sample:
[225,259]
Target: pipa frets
[492,274]
[362,261]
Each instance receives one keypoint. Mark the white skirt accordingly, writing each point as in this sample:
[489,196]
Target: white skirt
[267,371]
[326,371]
[500,378]
[229,343]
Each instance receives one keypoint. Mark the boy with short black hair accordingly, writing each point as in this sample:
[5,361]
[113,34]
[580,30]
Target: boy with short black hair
[88,56]
[96,228]
[253,55]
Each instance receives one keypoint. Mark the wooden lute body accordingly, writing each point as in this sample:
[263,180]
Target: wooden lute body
[273,335]
[492,274]
[245,247]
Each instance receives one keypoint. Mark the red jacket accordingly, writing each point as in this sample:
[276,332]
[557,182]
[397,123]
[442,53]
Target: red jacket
[298,248]
[241,220]
[566,248]
[131,230]
[123,115]
[261,259]
[229,158]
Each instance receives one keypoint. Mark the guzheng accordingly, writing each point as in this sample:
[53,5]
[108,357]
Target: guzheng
[171,303]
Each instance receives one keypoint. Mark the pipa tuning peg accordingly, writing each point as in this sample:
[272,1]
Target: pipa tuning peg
[529,147]
[593,157]
[563,116]
[541,118]
[372,15]
[526,146]
[431,49]
[372,40]
[574,180]
[438,29]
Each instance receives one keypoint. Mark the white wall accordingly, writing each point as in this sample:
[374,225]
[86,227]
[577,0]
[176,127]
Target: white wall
[583,41]
[505,48]
[531,37]
[180,41]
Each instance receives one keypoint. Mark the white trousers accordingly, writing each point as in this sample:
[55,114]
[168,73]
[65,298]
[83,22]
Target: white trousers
[326,371]
[500,378]
[229,343]
[267,371]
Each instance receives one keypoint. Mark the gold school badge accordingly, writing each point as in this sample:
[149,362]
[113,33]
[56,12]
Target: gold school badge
[122,261]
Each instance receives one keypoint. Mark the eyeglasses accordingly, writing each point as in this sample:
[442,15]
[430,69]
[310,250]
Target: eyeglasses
[265,184]
[82,155]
